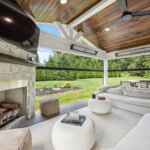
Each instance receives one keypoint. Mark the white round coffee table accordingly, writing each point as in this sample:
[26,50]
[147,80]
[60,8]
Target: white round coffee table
[71,137]
[100,106]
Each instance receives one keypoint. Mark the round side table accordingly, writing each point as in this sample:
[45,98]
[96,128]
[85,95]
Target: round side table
[100,106]
[71,137]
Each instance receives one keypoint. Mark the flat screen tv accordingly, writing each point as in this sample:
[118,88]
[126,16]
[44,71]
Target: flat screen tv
[16,27]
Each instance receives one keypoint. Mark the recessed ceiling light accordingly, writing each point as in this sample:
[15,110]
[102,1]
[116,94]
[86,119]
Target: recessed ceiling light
[63,1]
[107,29]
[9,20]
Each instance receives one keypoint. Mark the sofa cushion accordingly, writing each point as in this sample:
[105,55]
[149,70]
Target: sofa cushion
[116,90]
[127,99]
[138,138]
[136,92]
[103,89]
[16,139]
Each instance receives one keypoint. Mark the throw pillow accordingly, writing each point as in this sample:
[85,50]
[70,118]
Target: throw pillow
[135,92]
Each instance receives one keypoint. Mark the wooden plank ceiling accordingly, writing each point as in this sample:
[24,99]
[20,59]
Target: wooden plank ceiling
[122,35]
[53,10]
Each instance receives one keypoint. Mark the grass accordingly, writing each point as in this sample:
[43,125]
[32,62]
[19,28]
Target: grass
[88,86]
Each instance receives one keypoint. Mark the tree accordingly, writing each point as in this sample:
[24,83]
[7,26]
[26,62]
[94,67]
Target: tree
[72,61]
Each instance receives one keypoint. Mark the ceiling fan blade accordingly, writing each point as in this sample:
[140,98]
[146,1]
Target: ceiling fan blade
[122,5]
[142,13]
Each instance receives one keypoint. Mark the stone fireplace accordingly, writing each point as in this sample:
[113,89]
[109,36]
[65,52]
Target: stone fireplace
[17,79]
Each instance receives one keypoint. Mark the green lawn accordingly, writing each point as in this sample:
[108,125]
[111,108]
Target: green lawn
[88,87]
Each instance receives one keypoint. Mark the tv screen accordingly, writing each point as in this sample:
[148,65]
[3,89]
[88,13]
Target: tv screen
[16,27]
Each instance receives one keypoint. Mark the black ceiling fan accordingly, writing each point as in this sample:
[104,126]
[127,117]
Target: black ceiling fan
[126,14]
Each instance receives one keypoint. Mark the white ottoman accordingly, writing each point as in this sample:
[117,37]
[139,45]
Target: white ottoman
[100,106]
[71,137]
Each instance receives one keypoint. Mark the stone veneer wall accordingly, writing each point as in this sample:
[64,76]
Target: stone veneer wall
[19,72]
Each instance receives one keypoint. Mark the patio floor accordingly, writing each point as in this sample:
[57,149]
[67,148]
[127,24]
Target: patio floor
[110,129]
[63,109]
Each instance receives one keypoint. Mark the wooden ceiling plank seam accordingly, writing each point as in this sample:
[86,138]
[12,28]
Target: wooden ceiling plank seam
[47,7]
[89,13]
[38,7]
[41,9]
[25,4]
[83,7]
[20,2]
[118,45]
[29,6]
[51,13]
[48,12]
[125,47]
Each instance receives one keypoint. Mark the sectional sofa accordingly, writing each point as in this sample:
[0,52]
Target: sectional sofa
[136,100]
[138,138]
[128,98]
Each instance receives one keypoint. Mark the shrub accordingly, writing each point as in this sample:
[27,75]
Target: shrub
[67,84]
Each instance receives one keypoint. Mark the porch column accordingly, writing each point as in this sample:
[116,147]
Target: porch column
[105,77]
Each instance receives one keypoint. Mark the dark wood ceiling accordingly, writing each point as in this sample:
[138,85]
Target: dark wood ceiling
[123,34]
[52,10]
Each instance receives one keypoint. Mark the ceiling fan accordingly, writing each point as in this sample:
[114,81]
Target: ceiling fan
[126,14]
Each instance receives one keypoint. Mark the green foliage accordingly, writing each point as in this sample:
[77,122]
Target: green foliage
[69,61]
[73,61]
[37,60]
[130,63]
[67,84]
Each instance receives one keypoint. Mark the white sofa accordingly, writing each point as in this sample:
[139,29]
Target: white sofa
[138,138]
[131,100]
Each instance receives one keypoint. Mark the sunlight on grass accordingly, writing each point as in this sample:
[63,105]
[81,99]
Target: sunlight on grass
[88,86]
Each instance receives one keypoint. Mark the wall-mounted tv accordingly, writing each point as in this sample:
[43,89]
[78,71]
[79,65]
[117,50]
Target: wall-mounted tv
[16,27]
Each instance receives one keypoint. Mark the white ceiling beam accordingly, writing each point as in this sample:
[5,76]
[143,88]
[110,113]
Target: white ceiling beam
[66,28]
[47,40]
[77,35]
[68,32]
[91,12]
[71,33]
[61,29]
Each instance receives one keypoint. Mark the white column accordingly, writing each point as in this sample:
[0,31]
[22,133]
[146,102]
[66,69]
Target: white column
[105,78]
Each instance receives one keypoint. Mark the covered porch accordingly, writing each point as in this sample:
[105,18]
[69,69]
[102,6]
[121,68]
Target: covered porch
[100,29]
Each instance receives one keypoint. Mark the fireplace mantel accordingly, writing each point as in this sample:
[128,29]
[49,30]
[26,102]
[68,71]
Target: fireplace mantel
[15,60]
[12,84]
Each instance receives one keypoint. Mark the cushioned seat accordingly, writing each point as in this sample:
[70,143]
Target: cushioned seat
[133,104]
[49,106]
[16,139]
[127,99]
[138,138]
